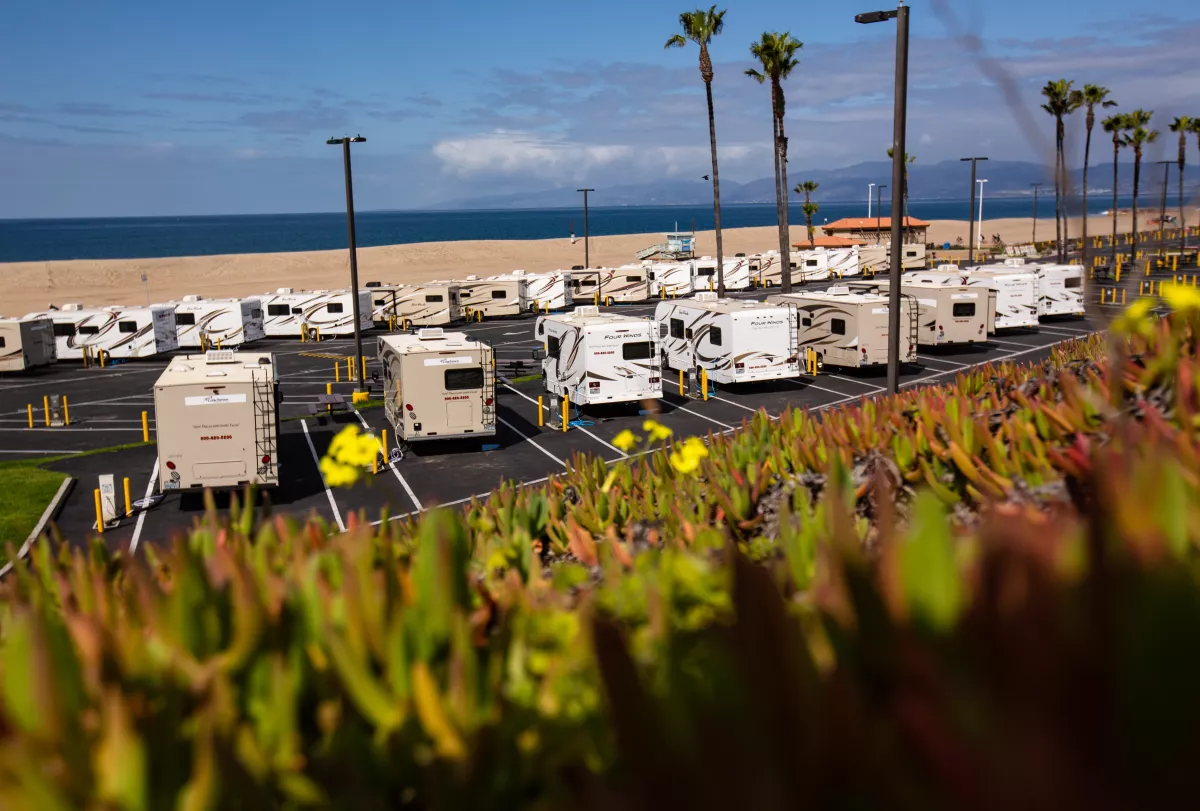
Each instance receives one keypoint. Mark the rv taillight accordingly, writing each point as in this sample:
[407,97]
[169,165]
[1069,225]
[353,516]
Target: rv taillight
[864,349]
[739,366]
[170,465]
[408,406]
[791,359]
[910,347]
[595,384]
[488,401]
[266,460]
[653,380]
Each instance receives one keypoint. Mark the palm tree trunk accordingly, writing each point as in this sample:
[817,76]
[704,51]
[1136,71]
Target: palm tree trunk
[1062,148]
[1182,216]
[1116,157]
[785,278]
[1057,200]
[1087,155]
[712,142]
[1137,177]
[785,248]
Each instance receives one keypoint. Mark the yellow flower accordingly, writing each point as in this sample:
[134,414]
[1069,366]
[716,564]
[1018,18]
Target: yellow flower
[346,437]
[337,474]
[350,447]
[687,456]
[658,432]
[1180,297]
[608,481]
[626,440]
[1135,319]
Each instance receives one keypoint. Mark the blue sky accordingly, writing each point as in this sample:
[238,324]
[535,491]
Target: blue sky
[138,108]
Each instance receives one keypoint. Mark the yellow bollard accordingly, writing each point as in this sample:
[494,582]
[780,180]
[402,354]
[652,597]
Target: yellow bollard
[566,411]
[541,414]
[596,298]
[30,407]
[337,372]
[363,358]
[704,384]
[681,382]
[303,334]
[329,391]
[99,513]
[66,411]
[46,408]
[349,370]
[145,426]
[384,443]
[375,465]
[1122,296]
[101,353]
[128,500]
[1118,274]
[1175,262]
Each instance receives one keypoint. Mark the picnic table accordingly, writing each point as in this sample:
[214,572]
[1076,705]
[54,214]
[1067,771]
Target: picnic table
[327,404]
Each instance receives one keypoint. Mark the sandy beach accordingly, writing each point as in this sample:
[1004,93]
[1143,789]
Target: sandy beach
[30,286]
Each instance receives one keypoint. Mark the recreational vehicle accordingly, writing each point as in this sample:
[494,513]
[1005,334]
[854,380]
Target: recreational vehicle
[383,301]
[1016,290]
[1060,289]
[429,304]
[220,322]
[809,266]
[765,269]
[118,332]
[492,298]
[737,273]
[26,344]
[669,279]
[587,284]
[946,313]
[290,313]
[627,284]
[217,421]
[735,341]
[878,258]
[850,327]
[595,357]
[438,385]
[552,290]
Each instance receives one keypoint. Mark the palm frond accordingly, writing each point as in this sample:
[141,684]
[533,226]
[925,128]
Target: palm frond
[676,41]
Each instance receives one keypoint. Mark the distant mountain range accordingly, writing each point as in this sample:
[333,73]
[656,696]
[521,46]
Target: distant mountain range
[939,181]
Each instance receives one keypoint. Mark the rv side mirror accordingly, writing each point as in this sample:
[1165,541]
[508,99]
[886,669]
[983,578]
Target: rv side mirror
[539,354]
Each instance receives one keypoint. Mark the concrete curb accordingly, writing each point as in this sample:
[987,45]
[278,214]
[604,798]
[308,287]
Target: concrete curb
[49,513]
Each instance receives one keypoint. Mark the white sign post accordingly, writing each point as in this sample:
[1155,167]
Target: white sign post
[108,498]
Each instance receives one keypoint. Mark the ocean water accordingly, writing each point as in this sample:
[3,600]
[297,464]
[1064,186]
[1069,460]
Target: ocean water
[155,237]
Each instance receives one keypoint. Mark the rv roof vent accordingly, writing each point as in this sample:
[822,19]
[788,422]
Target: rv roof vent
[948,268]
[518,273]
[72,307]
[220,356]
[749,305]
[430,334]
[191,298]
[472,278]
[1012,263]
[588,310]
[374,284]
[706,296]
[284,291]
[838,291]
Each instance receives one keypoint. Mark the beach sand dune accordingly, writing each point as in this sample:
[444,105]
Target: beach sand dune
[31,286]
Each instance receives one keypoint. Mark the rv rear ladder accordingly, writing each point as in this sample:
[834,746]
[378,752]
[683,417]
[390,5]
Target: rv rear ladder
[489,388]
[264,427]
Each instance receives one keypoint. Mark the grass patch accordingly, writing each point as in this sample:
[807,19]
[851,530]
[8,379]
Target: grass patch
[45,460]
[525,378]
[24,493]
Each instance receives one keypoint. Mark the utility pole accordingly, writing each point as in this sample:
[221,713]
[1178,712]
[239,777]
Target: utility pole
[879,211]
[981,182]
[1036,186]
[587,259]
[971,211]
[869,187]
[358,350]
[899,120]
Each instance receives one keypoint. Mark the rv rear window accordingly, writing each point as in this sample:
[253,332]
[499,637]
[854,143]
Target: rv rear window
[297,311]
[185,319]
[587,283]
[460,379]
[634,279]
[1073,283]
[333,307]
[89,330]
[499,294]
[810,263]
[278,309]
[676,328]
[433,298]
[705,271]
[379,302]
[256,313]
[636,350]
[714,336]
[64,330]
[806,322]
[837,326]
[910,254]
[127,326]
[2,344]
[964,309]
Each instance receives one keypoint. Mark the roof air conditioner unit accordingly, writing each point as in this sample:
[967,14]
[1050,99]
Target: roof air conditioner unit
[838,291]
[72,307]
[284,291]
[191,299]
[430,334]
[589,310]
[220,356]
[706,296]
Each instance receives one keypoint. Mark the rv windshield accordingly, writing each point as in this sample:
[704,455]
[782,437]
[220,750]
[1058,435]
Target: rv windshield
[461,379]
[637,350]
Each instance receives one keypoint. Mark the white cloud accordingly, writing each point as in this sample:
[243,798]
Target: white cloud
[926,139]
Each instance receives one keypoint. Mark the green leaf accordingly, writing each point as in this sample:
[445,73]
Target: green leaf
[928,573]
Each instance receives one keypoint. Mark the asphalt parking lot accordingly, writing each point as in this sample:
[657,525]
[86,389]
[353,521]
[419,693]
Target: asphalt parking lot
[106,408]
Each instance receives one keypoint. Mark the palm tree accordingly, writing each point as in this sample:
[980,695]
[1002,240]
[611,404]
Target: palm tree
[777,54]
[1183,125]
[909,160]
[1137,135]
[700,27]
[1092,96]
[809,208]
[1115,126]
[1061,101]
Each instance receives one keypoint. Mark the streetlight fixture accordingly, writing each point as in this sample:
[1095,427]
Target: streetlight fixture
[981,182]
[971,210]
[345,142]
[869,187]
[899,120]
[587,260]
[1036,186]
[879,211]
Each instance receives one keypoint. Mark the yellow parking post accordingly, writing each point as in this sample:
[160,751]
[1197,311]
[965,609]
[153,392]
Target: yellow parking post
[128,500]
[384,444]
[704,383]
[566,410]
[596,298]
[46,408]
[145,426]
[66,411]
[1122,295]
[329,392]
[363,358]
[1118,274]
[100,354]
[337,372]
[681,382]
[99,513]
[30,407]
[349,370]
[1175,262]
[541,414]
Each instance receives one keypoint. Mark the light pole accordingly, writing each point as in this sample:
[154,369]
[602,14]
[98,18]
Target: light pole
[879,211]
[981,182]
[358,350]
[1036,186]
[899,120]
[587,259]
[1162,214]
[869,187]
[971,210]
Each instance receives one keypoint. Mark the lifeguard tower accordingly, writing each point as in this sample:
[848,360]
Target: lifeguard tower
[678,245]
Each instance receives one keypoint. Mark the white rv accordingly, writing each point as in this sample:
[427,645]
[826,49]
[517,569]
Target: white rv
[669,279]
[1016,290]
[493,297]
[217,421]
[289,311]
[735,341]
[26,344]
[878,258]
[765,269]
[438,385]
[383,301]
[429,304]
[120,332]
[850,327]
[600,358]
[737,273]
[809,266]
[551,290]
[1060,289]
[627,284]
[220,321]
[946,313]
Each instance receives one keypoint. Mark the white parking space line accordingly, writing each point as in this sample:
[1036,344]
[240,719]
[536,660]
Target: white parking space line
[529,439]
[1065,330]
[391,465]
[703,417]
[804,385]
[1017,344]
[147,396]
[935,359]
[91,379]
[1007,356]
[847,378]
[66,430]
[141,519]
[337,516]
[576,428]
[739,405]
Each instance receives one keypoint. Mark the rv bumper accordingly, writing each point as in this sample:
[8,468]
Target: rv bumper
[487,430]
[623,397]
